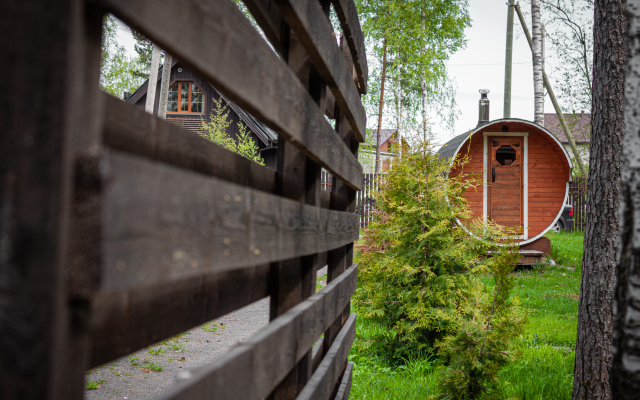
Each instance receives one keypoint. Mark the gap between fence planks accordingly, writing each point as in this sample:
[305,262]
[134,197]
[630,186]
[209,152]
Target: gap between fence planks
[318,38]
[323,381]
[162,224]
[123,322]
[269,355]
[130,129]
[350,24]
[345,384]
[241,65]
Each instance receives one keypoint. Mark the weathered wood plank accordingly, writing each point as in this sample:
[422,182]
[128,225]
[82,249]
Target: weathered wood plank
[269,18]
[316,355]
[242,66]
[350,24]
[269,355]
[323,381]
[345,383]
[316,34]
[163,224]
[130,129]
[125,321]
[49,49]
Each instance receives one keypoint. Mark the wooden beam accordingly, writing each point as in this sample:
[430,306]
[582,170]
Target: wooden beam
[317,37]
[123,322]
[164,224]
[324,380]
[345,383]
[350,24]
[130,129]
[269,355]
[242,66]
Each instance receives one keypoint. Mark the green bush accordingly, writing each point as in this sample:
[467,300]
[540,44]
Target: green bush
[486,337]
[216,131]
[415,259]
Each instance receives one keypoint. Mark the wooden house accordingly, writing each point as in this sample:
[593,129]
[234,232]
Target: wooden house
[191,102]
[525,173]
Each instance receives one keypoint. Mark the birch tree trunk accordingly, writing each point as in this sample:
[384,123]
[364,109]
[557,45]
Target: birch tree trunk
[153,79]
[384,70]
[625,373]
[538,85]
[593,347]
[164,86]
[399,108]
[423,87]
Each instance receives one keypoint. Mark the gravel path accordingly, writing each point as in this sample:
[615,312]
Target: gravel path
[150,371]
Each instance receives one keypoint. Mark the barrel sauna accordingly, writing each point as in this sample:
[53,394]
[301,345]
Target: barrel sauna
[525,169]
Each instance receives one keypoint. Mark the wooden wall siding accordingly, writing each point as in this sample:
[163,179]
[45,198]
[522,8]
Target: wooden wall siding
[548,174]
[472,169]
[124,229]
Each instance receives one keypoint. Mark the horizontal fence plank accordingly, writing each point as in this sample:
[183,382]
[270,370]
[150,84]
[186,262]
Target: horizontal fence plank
[324,379]
[350,24]
[316,35]
[131,129]
[123,322]
[164,224]
[268,16]
[239,63]
[345,383]
[268,356]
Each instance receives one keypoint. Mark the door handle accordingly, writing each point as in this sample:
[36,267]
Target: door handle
[493,174]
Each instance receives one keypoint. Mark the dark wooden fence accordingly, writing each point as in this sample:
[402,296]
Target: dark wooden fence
[578,199]
[365,198]
[118,229]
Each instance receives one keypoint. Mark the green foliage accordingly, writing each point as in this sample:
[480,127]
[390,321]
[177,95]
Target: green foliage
[567,248]
[216,131]
[489,323]
[119,73]
[415,259]
[420,36]
[93,385]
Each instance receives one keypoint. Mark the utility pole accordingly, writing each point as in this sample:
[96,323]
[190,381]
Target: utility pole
[552,96]
[164,86]
[508,62]
[153,79]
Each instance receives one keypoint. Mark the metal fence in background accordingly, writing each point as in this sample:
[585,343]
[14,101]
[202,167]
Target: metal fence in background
[578,199]
[365,199]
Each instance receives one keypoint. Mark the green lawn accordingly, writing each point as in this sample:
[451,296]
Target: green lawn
[543,371]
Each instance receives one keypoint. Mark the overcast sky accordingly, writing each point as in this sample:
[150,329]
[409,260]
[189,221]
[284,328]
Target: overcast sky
[479,65]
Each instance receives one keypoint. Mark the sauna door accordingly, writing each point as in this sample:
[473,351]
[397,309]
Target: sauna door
[505,184]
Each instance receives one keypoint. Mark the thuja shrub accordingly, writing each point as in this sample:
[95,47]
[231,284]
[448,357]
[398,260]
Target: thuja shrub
[216,131]
[490,320]
[416,262]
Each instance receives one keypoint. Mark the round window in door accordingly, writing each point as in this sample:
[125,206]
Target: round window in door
[506,155]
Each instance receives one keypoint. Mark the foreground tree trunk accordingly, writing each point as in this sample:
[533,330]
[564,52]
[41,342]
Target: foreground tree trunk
[381,106]
[593,347]
[538,85]
[625,373]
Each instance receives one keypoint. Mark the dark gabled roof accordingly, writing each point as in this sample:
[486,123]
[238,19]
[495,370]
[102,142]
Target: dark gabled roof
[264,133]
[142,90]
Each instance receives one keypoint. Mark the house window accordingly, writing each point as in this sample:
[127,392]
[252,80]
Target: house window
[185,97]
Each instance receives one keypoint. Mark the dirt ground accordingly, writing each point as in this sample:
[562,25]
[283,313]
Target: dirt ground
[148,372]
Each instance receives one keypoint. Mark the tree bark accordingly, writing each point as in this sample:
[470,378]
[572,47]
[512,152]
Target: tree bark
[538,85]
[625,376]
[399,107]
[384,70]
[423,88]
[593,347]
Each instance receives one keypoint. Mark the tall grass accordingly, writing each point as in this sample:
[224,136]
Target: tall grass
[544,369]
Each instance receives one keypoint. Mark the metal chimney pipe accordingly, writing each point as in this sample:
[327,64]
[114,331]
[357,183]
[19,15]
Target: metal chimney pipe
[483,107]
